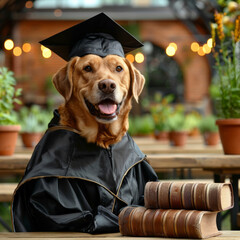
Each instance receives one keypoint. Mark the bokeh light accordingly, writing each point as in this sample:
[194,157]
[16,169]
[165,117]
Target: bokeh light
[170,51]
[201,51]
[174,45]
[130,58]
[210,42]
[206,48]
[29,4]
[47,53]
[26,47]
[9,44]
[139,57]
[195,47]
[57,12]
[17,51]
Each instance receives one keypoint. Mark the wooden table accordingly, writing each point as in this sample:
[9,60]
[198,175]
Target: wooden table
[226,235]
[219,164]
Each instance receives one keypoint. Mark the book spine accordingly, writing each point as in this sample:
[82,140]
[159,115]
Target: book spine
[180,195]
[164,223]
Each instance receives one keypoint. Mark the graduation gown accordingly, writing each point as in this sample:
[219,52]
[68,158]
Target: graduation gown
[72,185]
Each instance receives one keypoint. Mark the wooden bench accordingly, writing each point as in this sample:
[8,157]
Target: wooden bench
[226,235]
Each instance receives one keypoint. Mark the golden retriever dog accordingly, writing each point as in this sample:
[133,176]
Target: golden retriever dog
[98,93]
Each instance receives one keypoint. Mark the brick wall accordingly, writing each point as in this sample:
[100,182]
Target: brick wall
[33,70]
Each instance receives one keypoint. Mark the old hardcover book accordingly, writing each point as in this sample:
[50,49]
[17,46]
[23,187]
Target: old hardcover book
[140,221]
[186,195]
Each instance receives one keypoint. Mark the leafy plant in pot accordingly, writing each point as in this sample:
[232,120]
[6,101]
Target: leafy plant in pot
[227,55]
[209,130]
[192,121]
[9,126]
[160,113]
[141,126]
[178,127]
[34,121]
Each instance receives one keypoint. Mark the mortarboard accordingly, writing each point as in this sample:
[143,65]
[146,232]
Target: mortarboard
[99,35]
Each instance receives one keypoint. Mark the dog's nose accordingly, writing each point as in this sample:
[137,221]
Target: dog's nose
[107,86]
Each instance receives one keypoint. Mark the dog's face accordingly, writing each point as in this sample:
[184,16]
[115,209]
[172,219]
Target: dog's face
[101,85]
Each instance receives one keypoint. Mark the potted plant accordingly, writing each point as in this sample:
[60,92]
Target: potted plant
[141,125]
[160,113]
[209,130]
[34,121]
[9,126]
[227,55]
[192,121]
[178,127]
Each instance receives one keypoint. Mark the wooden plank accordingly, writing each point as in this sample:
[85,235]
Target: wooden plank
[6,191]
[207,161]
[18,162]
[14,164]
[157,149]
[226,235]
[151,140]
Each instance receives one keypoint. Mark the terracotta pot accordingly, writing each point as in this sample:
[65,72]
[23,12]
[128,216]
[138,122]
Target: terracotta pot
[194,132]
[178,138]
[31,139]
[211,138]
[8,139]
[229,130]
[161,135]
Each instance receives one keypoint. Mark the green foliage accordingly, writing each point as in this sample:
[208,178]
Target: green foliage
[226,85]
[177,120]
[229,84]
[34,119]
[141,125]
[208,124]
[161,112]
[8,96]
[192,120]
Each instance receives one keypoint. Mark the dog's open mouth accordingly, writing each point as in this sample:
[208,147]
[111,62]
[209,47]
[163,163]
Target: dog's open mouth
[106,109]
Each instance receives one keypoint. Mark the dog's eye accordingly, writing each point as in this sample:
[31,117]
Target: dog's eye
[88,68]
[119,68]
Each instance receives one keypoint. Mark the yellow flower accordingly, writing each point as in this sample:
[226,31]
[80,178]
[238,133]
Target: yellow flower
[237,30]
[218,19]
[213,34]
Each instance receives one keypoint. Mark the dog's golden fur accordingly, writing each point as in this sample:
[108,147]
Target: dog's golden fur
[76,84]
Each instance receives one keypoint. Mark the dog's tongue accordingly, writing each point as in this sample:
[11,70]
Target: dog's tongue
[107,108]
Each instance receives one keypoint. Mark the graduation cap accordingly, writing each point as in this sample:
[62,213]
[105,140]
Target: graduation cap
[99,35]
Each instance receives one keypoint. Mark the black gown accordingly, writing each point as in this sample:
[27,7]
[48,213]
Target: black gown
[72,185]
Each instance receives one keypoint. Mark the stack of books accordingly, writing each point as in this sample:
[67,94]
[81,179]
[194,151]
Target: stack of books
[177,209]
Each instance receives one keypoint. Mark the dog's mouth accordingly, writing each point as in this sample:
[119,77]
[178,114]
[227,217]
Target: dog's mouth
[106,109]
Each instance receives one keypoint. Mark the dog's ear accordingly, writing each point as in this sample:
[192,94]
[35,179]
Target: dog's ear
[137,80]
[62,80]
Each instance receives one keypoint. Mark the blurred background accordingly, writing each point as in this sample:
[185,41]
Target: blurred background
[177,61]
[176,57]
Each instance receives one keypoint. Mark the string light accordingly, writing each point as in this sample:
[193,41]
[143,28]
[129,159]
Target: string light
[9,44]
[139,57]
[195,47]
[210,42]
[46,52]
[26,47]
[130,58]
[57,12]
[201,51]
[206,48]
[170,51]
[29,4]
[174,45]
[17,51]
